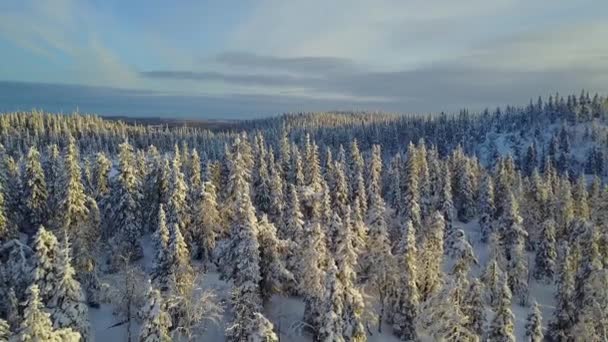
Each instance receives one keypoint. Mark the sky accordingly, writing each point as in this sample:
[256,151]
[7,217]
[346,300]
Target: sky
[246,58]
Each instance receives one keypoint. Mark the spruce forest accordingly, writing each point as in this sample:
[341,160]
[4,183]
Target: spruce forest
[334,226]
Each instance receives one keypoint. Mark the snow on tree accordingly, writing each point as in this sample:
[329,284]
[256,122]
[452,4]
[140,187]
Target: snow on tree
[34,193]
[473,307]
[462,252]
[274,274]
[492,278]
[378,261]
[546,253]
[156,321]
[441,316]
[261,178]
[277,197]
[124,212]
[178,257]
[4,330]
[534,326]
[359,230]
[101,176]
[36,325]
[242,260]
[564,313]
[592,324]
[262,330]
[206,222]
[177,207]
[502,327]
[331,323]
[293,230]
[465,194]
[413,170]
[45,272]
[67,304]
[407,298]
[579,198]
[161,237]
[72,206]
[431,258]
[357,171]
[11,184]
[446,203]
[7,230]
[486,208]
[151,188]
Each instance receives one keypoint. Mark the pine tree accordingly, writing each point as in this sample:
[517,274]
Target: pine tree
[473,307]
[36,325]
[293,230]
[262,329]
[274,274]
[502,327]
[124,213]
[177,207]
[486,208]
[178,256]
[161,237]
[45,273]
[206,222]
[412,193]
[564,313]
[378,259]
[4,330]
[101,176]
[431,257]
[34,193]
[242,261]
[534,326]
[332,325]
[7,230]
[546,253]
[466,199]
[68,306]
[277,200]
[407,297]
[492,278]
[73,200]
[157,322]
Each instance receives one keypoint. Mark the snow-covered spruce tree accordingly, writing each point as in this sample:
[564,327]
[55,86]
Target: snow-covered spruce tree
[345,257]
[502,327]
[36,325]
[13,195]
[564,313]
[161,237]
[178,257]
[378,260]
[534,324]
[446,203]
[492,278]
[261,179]
[156,321]
[310,264]
[579,198]
[262,329]
[277,197]
[45,273]
[441,316]
[10,309]
[150,188]
[275,276]
[426,201]
[465,197]
[413,170]
[7,230]
[486,208]
[431,257]
[53,169]
[357,172]
[473,307]
[588,258]
[206,223]
[546,253]
[359,231]
[177,207]
[35,194]
[407,298]
[564,208]
[72,205]
[331,322]
[68,306]
[591,325]
[124,210]
[514,239]
[341,208]
[293,229]
[101,176]
[242,260]
[463,255]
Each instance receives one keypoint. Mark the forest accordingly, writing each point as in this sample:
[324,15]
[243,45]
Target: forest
[336,226]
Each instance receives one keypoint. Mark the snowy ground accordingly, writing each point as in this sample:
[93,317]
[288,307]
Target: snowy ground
[286,312]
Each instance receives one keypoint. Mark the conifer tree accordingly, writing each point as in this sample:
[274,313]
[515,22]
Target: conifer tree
[68,306]
[293,230]
[534,326]
[161,237]
[36,325]
[73,200]
[101,176]
[407,297]
[546,253]
[177,207]
[502,327]
[4,330]
[45,273]
[7,230]
[262,329]
[274,274]
[492,278]
[206,223]
[277,197]
[473,307]
[431,257]
[486,208]
[412,186]
[564,313]
[332,325]
[34,193]
[157,322]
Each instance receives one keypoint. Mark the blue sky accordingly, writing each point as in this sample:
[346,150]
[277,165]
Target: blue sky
[249,58]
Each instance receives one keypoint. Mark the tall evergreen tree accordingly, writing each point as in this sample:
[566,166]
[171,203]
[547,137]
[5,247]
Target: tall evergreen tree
[534,326]
[34,193]
[407,297]
[157,322]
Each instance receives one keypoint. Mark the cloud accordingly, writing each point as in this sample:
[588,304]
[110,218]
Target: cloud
[288,64]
